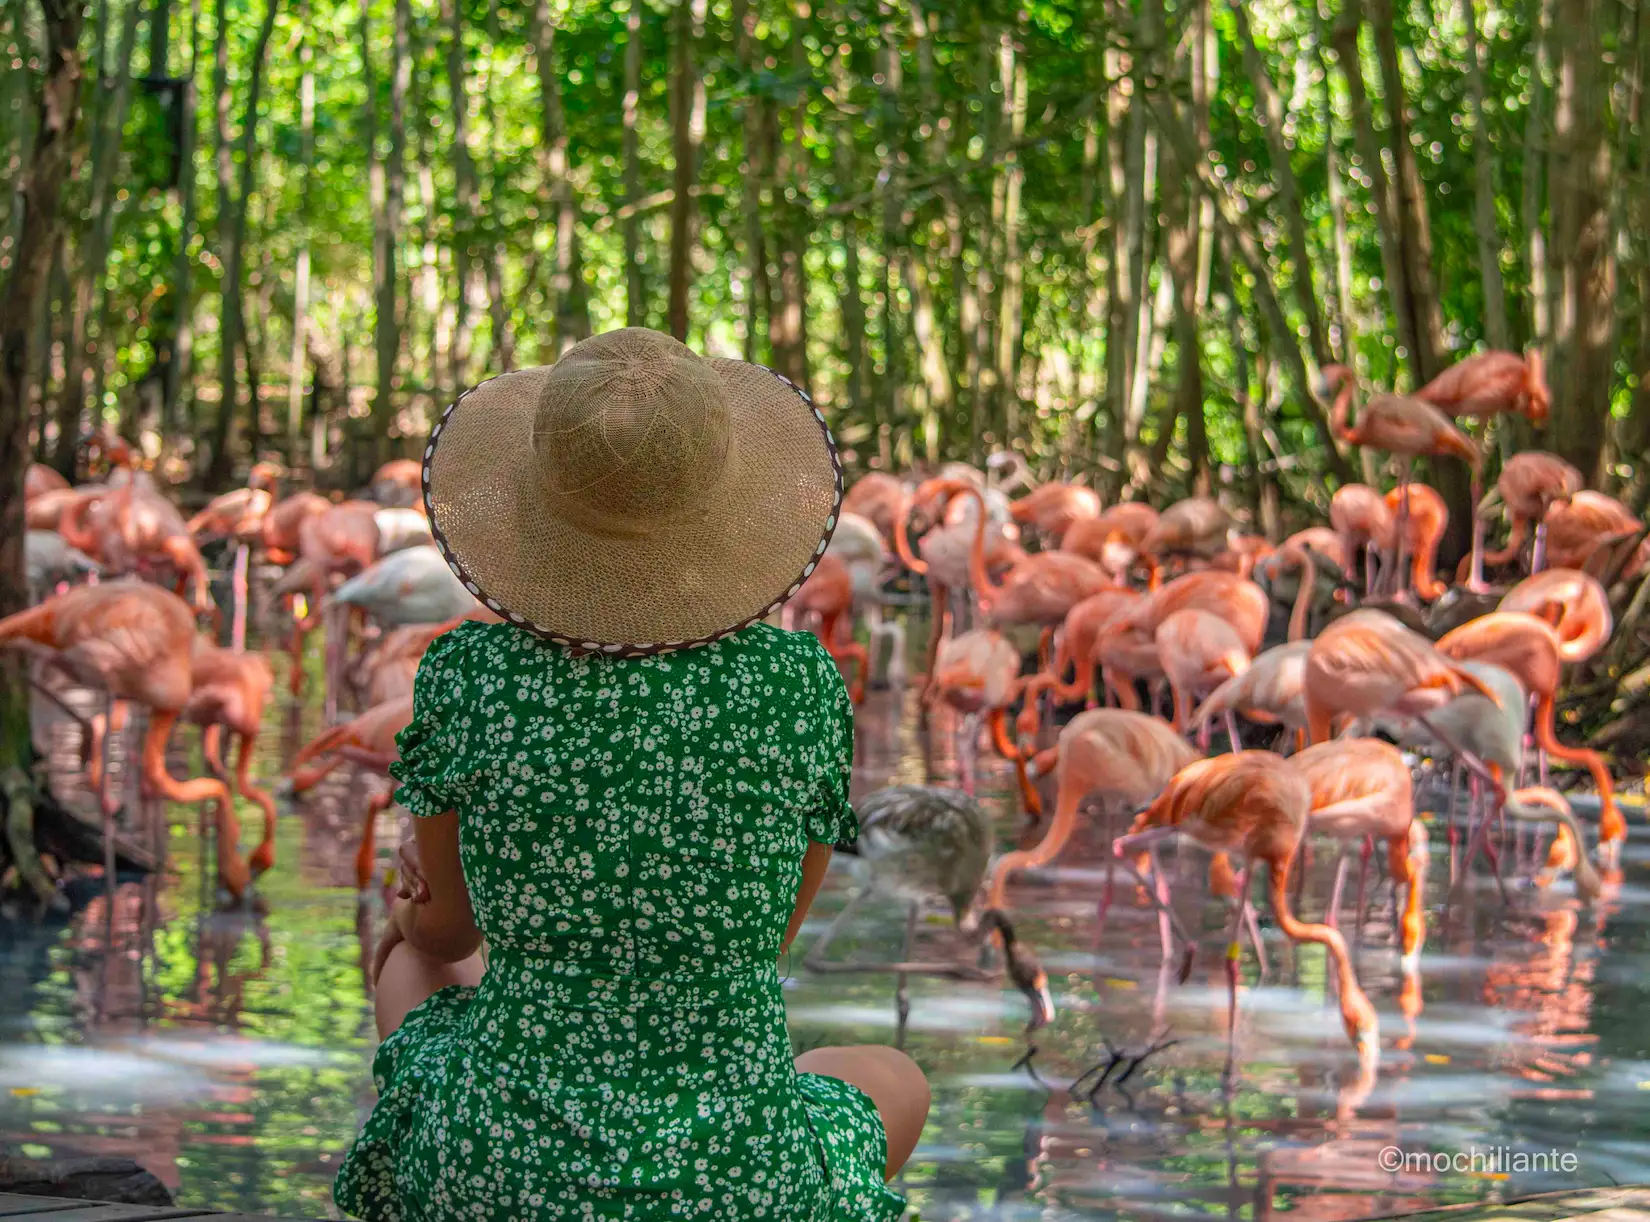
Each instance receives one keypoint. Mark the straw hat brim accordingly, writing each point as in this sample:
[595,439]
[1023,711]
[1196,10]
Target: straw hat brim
[731,562]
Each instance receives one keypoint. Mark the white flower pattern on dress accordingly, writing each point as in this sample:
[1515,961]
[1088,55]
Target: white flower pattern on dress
[632,833]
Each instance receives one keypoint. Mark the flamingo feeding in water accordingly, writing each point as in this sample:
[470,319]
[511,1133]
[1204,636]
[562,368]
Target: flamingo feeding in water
[1254,804]
[135,641]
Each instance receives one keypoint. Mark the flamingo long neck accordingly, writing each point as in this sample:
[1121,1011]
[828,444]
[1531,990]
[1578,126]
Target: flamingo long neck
[35,624]
[1341,410]
[902,537]
[1403,869]
[1303,600]
[305,779]
[1588,884]
[1356,1012]
[1422,575]
[70,525]
[1515,542]
[1045,850]
[1611,825]
[1082,676]
[984,590]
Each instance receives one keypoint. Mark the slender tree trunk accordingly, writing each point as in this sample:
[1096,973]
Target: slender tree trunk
[297,364]
[1191,218]
[635,299]
[1236,239]
[845,166]
[567,281]
[50,162]
[1381,194]
[1012,77]
[1583,326]
[1140,176]
[982,382]
[467,259]
[1415,228]
[687,126]
[387,182]
[1087,290]
[893,343]
[936,374]
[1483,181]
[1342,339]
[45,332]
[788,324]
[1254,432]
[174,323]
[1283,171]
[107,155]
[1448,475]
[1535,145]
[232,204]
[503,337]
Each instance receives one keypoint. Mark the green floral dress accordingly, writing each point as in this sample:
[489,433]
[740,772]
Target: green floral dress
[632,833]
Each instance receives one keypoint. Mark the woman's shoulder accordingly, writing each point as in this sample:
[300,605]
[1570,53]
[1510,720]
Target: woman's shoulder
[800,649]
[478,643]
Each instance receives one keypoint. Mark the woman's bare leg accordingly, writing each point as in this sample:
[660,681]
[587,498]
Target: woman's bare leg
[892,1080]
[409,978]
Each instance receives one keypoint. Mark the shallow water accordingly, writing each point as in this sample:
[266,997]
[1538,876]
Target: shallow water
[230,1052]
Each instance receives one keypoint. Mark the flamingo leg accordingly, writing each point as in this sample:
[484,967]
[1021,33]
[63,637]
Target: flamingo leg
[1333,916]
[232,872]
[936,631]
[263,856]
[212,751]
[1165,914]
[238,585]
[1234,955]
[1538,552]
[1157,891]
[1255,939]
[1232,731]
[1400,580]
[366,854]
[967,739]
[902,979]
[1481,841]
[814,960]
[1475,576]
[108,810]
[97,757]
[1365,853]
[1453,832]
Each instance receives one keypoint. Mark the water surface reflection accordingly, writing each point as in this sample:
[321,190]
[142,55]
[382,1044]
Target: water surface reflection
[230,1052]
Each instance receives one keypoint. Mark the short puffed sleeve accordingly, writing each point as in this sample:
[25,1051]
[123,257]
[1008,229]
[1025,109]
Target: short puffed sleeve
[440,764]
[830,818]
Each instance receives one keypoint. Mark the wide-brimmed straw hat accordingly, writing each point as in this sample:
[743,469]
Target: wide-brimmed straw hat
[633,497]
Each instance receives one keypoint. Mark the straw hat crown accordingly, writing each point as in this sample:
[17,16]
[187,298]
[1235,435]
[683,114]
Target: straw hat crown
[634,497]
[632,432]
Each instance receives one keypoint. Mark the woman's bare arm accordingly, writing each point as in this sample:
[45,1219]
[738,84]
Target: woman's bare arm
[444,927]
[814,864]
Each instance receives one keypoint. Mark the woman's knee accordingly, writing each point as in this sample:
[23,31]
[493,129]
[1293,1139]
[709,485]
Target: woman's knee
[895,1084]
[409,978]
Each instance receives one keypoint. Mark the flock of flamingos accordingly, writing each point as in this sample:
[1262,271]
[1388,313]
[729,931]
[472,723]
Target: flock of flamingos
[1313,645]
